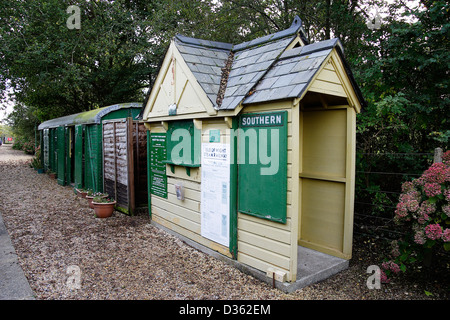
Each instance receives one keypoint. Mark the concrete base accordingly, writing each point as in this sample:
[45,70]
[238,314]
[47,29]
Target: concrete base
[312,266]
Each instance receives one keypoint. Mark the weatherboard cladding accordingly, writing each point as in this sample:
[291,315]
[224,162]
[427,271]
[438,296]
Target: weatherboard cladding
[262,69]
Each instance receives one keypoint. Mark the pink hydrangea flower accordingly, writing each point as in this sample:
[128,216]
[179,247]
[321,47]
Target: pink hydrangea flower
[419,237]
[446,235]
[407,186]
[446,209]
[427,207]
[423,214]
[383,277]
[433,231]
[432,189]
[390,265]
[446,158]
[437,173]
[412,205]
[447,194]
[401,211]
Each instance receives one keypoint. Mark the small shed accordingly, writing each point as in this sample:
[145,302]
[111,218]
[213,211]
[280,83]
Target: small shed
[252,148]
[73,146]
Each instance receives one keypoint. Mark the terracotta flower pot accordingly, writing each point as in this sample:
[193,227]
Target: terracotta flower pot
[81,193]
[103,210]
[90,198]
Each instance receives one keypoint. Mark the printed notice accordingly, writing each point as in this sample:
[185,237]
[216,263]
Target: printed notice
[158,153]
[215,192]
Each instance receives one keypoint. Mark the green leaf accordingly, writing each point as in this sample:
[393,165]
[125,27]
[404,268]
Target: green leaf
[429,243]
[428,293]
[447,246]
[402,267]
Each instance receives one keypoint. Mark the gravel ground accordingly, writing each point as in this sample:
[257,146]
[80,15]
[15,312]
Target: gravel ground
[126,258]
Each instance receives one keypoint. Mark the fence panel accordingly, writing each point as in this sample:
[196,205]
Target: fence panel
[379,177]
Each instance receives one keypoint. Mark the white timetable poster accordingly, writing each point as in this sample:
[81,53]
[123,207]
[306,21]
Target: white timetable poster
[215,192]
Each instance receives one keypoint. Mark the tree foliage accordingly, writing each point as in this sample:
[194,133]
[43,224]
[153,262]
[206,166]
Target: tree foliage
[401,67]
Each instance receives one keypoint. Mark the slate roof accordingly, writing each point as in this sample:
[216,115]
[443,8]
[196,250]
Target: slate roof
[292,72]
[205,59]
[261,69]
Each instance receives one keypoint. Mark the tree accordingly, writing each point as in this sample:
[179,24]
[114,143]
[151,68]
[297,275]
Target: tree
[405,80]
[58,71]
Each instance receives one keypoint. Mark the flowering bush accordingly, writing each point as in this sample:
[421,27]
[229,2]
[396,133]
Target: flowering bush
[424,210]
[25,145]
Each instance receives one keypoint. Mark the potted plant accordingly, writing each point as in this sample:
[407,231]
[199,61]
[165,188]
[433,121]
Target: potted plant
[82,192]
[91,195]
[36,163]
[103,207]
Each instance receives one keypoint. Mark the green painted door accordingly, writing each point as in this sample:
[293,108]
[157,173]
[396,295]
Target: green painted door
[93,158]
[51,150]
[61,155]
[78,161]
[54,150]
[69,155]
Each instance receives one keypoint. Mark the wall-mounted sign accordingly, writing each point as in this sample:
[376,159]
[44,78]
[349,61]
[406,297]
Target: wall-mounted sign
[214,135]
[215,192]
[262,173]
[273,119]
[158,153]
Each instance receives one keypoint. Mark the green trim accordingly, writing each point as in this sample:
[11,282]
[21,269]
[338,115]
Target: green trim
[233,193]
[149,181]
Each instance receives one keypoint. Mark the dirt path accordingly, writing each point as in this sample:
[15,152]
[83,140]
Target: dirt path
[10,156]
[123,257]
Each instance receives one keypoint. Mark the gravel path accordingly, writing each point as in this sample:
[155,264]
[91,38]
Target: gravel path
[127,258]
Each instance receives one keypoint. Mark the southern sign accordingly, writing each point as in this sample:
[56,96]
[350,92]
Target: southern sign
[274,119]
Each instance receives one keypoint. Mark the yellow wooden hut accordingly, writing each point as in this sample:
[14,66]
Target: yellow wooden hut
[252,149]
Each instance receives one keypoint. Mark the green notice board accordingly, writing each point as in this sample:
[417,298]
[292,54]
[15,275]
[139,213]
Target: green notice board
[262,163]
[158,154]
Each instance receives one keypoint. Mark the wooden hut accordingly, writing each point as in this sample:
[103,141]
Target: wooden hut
[252,148]
[73,147]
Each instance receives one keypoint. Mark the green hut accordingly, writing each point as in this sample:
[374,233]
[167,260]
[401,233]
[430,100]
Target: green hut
[72,145]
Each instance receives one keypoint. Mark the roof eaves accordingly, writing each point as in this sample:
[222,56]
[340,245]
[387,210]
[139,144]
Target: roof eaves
[87,117]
